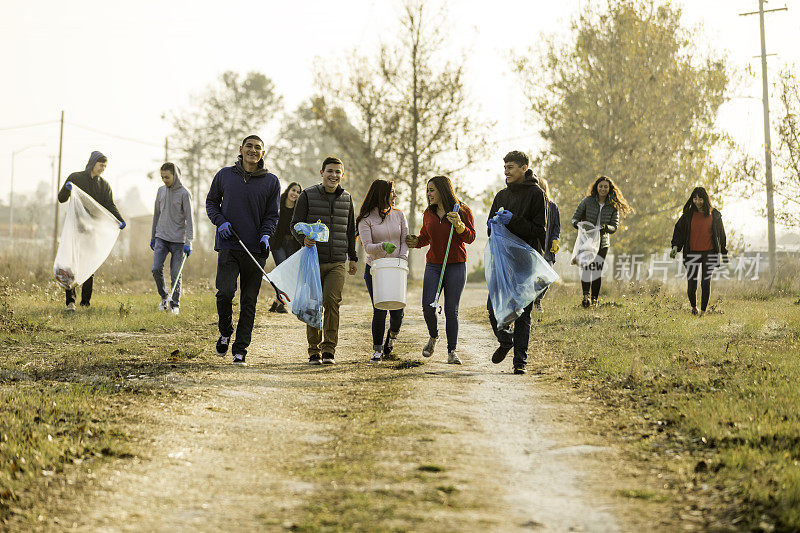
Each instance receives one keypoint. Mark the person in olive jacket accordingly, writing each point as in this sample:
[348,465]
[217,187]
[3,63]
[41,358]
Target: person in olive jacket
[602,206]
[525,213]
[331,204]
[700,233]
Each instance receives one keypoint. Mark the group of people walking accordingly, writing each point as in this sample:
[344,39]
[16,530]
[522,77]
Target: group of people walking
[253,217]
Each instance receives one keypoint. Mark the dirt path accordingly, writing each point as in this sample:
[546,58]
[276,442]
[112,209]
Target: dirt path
[283,445]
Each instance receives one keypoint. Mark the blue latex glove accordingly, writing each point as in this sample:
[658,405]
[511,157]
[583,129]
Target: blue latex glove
[68,185]
[264,244]
[152,244]
[224,230]
[187,249]
[122,225]
[503,217]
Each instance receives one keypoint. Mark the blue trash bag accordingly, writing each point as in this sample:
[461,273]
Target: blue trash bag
[515,274]
[316,231]
[298,276]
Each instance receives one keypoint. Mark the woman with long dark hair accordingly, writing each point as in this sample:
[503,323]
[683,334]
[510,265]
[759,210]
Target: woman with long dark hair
[282,243]
[602,207]
[700,233]
[382,230]
[437,221]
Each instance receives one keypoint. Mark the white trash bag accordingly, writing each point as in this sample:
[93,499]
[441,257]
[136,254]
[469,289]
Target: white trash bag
[587,244]
[87,238]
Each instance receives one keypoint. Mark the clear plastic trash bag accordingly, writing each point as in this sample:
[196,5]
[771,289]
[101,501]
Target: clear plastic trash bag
[587,244]
[298,276]
[316,231]
[88,235]
[515,274]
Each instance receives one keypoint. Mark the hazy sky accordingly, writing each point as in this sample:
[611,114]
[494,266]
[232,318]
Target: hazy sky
[117,69]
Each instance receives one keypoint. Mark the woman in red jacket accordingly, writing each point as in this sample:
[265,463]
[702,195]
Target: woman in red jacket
[437,221]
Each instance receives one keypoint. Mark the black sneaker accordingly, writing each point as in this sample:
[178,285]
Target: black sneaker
[500,354]
[222,345]
[273,307]
[389,344]
[280,308]
[238,359]
[86,304]
[314,359]
[586,301]
[327,358]
[520,369]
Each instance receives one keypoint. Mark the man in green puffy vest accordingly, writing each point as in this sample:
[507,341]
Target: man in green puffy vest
[330,203]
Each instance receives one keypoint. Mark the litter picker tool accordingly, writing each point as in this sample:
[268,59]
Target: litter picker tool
[279,294]
[435,303]
[177,278]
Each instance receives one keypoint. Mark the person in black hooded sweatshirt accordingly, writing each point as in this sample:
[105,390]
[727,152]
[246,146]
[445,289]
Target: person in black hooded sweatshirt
[92,183]
[525,213]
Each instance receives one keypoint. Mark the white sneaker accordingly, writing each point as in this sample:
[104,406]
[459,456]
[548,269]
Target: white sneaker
[163,305]
[71,307]
[376,357]
[175,310]
[427,351]
[452,358]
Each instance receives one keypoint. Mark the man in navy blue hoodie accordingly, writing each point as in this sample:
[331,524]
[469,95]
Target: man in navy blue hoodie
[244,200]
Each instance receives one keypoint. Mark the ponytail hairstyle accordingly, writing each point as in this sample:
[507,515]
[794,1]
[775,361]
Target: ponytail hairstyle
[615,196]
[546,188]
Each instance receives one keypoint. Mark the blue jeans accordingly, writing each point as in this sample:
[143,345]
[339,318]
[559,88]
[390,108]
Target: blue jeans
[455,277]
[160,252]
[379,316]
[519,338]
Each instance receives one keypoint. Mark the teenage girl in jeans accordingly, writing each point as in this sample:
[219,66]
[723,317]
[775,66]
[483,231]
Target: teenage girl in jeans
[602,207]
[437,221]
[382,230]
[282,243]
[700,233]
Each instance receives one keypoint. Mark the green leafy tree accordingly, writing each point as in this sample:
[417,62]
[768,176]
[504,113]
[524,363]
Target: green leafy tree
[629,96]
[208,133]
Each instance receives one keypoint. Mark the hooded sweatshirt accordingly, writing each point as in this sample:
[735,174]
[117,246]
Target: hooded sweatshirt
[96,187]
[529,210]
[172,215]
[250,201]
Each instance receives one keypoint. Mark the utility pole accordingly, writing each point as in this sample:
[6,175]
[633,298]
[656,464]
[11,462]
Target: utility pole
[58,180]
[166,149]
[767,141]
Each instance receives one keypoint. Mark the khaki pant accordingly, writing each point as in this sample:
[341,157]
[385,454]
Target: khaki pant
[332,275]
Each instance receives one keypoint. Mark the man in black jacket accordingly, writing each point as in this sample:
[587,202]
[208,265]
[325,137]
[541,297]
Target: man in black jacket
[525,215]
[331,204]
[92,183]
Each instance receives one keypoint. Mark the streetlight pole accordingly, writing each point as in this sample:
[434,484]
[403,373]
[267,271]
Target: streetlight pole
[11,192]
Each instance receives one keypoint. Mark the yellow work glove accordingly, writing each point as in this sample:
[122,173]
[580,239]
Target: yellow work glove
[555,246]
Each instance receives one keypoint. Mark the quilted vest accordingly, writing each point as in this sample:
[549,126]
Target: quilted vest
[334,212]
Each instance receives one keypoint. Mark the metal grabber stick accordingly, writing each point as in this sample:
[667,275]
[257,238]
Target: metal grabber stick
[435,303]
[279,294]
[177,278]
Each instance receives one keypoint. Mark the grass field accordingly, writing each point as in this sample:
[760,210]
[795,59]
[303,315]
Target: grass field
[706,411]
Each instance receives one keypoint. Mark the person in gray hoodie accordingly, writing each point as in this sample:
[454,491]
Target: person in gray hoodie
[172,232]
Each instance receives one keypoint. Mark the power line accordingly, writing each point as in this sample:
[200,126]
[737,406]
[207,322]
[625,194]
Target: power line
[9,128]
[115,136]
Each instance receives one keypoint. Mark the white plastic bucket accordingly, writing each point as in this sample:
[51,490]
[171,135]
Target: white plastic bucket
[389,276]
